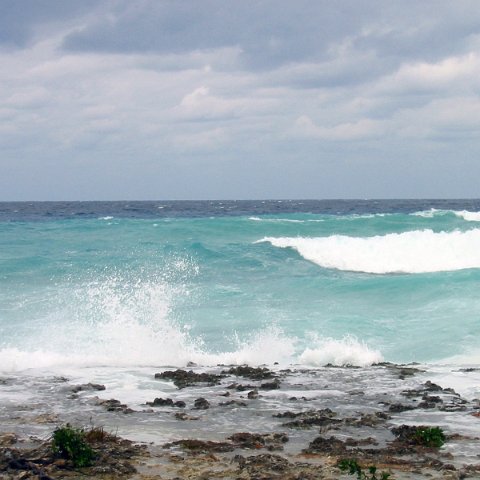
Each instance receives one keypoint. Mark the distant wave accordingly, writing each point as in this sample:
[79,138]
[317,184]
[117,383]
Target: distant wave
[468,216]
[465,214]
[418,251]
[284,220]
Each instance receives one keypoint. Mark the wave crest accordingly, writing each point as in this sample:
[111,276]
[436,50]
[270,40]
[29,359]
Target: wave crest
[418,251]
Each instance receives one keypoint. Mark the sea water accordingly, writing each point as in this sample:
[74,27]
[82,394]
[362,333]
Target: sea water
[109,287]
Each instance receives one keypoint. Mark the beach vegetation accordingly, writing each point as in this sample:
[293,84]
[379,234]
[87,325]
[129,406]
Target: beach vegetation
[352,467]
[429,436]
[71,444]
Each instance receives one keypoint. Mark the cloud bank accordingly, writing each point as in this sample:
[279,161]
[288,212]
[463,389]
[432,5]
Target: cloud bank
[226,99]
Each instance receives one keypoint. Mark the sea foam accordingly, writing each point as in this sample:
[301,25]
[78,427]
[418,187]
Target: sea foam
[348,351]
[418,251]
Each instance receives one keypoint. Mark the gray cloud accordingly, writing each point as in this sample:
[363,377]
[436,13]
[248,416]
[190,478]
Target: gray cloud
[223,98]
[22,21]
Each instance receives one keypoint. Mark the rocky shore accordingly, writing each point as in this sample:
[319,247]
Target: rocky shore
[242,422]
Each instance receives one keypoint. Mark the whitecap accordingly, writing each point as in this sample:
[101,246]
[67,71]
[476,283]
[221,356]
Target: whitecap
[418,251]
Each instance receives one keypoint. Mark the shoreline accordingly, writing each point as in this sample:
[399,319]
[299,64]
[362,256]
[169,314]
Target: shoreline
[248,422]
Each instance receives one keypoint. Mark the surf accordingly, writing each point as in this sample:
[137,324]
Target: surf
[419,251]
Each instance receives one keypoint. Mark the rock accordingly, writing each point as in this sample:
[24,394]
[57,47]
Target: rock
[310,418]
[271,385]
[113,405]
[183,416]
[330,445]
[87,387]
[183,379]
[270,441]
[263,462]
[7,439]
[432,387]
[238,403]
[201,404]
[253,394]
[399,407]
[250,372]
[166,402]
[200,446]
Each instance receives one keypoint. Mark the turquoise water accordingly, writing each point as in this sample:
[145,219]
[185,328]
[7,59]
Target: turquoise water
[352,284]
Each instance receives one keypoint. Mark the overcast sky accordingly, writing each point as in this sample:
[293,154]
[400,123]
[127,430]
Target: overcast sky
[214,99]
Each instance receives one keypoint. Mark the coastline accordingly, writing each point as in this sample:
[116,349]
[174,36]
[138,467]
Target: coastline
[247,422]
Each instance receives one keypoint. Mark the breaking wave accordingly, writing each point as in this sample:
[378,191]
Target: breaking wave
[418,251]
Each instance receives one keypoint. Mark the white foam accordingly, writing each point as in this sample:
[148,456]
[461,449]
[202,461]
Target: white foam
[417,251]
[465,214]
[468,216]
[122,322]
[280,220]
[137,345]
[348,351]
[432,212]
[105,218]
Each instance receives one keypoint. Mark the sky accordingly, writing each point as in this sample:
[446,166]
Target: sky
[239,99]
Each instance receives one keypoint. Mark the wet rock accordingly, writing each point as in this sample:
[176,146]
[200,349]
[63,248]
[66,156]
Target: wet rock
[46,418]
[250,372]
[237,403]
[7,439]
[184,416]
[183,378]
[270,441]
[271,385]
[356,392]
[253,394]
[308,413]
[432,387]
[241,388]
[453,408]
[200,446]
[332,446]
[351,442]
[432,398]
[264,462]
[399,407]
[166,402]
[111,456]
[408,372]
[367,420]
[309,418]
[201,404]
[113,405]
[87,387]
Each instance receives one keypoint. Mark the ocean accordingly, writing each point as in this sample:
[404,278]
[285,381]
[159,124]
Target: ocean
[111,290]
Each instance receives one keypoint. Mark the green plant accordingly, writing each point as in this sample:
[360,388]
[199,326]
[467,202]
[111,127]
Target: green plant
[429,436]
[70,443]
[352,467]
